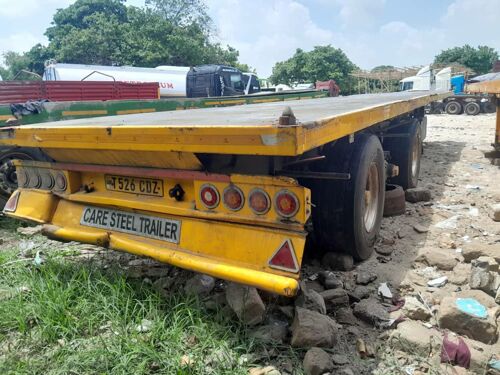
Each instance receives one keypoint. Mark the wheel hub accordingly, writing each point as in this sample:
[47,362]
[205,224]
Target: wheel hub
[371,198]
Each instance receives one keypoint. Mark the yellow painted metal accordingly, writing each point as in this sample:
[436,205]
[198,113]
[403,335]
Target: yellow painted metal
[133,111]
[493,88]
[84,113]
[486,87]
[35,205]
[228,139]
[191,204]
[174,160]
[238,253]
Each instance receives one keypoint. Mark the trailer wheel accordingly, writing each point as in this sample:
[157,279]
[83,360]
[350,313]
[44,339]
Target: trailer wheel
[453,108]
[347,214]
[472,109]
[489,107]
[8,177]
[406,153]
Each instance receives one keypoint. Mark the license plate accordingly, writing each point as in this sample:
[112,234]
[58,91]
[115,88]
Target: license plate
[134,185]
[159,228]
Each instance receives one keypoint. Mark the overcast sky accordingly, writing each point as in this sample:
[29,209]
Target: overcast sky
[371,32]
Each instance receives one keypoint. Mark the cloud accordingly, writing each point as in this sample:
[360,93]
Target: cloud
[20,9]
[19,42]
[266,31]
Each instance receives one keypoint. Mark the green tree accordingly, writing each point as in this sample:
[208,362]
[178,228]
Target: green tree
[107,32]
[479,59]
[320,64]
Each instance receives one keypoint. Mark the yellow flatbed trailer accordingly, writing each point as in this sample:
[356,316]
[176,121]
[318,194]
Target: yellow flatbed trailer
[492,88]
[231,192]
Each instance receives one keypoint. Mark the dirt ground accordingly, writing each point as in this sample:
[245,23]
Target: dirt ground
[464,185]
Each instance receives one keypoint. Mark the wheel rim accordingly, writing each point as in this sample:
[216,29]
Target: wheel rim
[415,152]
[8,176]
[371,197]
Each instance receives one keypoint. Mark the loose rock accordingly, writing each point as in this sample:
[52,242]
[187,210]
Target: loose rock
[419,228]
[311,328]
[414,309]
[310,299]
[474,250]
[461,274]
[246,303]
[486,263]
[451,317]
[268,370]
[271,333]
[337,261]
[496,212]
[418,194]
[335,297]
[30,231]
[200,285]
[329,280]
[442,259]
[371,311]
[317,362]
[365,277]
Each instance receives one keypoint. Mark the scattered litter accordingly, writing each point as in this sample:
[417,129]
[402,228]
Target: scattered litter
[450,223]
[476,166]
[466,238]
[456,354]
[459,250]
[494,364]
[473,211]
[145,326]
[186,361]
[384,291]
[428,272]
[439,282]
[38,261]
[409,370]
[472,307]
[397,304]
[427,325]
[313,277]
[473,187]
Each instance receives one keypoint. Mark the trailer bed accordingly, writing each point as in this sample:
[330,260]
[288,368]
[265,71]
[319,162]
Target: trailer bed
[252,130]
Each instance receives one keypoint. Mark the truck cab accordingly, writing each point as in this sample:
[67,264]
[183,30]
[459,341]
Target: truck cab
[214,80]
[252,84]
[424,80]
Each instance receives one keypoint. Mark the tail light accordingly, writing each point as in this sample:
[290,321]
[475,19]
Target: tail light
[259,201]
[60,182]
[34,178]
[286,203]
[233,198]
[209,195]
[48,180]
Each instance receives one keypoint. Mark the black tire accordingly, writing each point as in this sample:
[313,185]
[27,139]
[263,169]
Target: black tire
[339,206]
[472,109]
[489,107]
[8,178]
[453,108]
[406,153]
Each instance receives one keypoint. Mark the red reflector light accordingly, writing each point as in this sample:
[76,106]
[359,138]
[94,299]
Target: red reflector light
[209,196]
[233,198]
[284,258]
[60,182]
[259,201]
[286,203]
[11,204]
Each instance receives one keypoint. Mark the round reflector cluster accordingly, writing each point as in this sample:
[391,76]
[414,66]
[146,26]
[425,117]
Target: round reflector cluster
[209,195]
[286,203]
[259,201]
[60,181]
[233,198]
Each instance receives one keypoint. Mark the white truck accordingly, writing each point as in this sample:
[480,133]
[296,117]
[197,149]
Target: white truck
[461,102]
[174,81]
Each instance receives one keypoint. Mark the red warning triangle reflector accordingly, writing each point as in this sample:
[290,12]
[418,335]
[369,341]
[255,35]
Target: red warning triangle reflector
[11,204]
[284,258]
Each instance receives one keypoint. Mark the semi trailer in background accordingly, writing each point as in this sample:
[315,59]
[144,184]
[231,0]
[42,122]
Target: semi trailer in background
[174,81]
[460,102]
